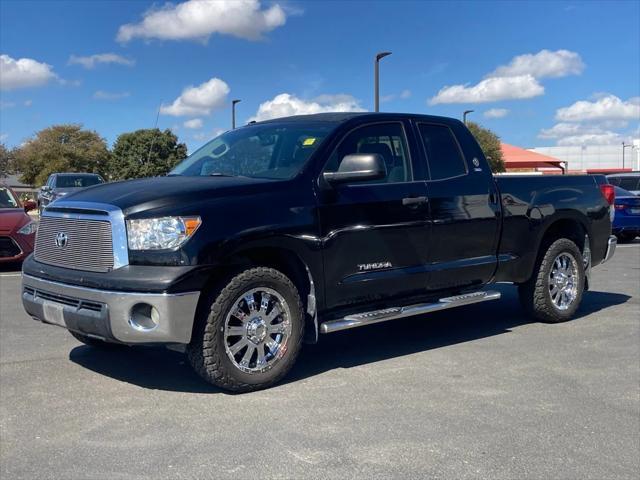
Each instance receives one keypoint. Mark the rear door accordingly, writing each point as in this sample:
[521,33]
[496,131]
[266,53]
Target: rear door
[375,235]
[464,211]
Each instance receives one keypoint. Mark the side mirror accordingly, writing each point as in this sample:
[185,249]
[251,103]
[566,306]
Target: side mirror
[45,189]
[29,205]
[359,167]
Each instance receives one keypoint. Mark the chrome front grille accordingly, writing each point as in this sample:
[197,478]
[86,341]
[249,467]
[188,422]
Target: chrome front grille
[87,245]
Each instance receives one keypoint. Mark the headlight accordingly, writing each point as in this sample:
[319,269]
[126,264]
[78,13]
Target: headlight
[160,233]
[29,229]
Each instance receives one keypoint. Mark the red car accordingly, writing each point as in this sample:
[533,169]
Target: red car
[17,229]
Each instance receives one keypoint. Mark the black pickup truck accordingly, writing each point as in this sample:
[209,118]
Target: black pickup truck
[281,231]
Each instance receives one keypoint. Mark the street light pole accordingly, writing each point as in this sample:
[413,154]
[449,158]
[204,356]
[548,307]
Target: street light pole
[623,147]
[464,115]
[233,113]
[376,80]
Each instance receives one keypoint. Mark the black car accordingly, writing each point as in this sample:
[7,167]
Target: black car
[61,184]
[285,230]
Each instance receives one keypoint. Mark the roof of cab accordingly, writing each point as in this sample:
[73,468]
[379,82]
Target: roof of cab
[342,117]
[77,174]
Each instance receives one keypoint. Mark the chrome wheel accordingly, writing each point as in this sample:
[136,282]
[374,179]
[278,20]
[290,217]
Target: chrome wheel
[563,281]
[257,329]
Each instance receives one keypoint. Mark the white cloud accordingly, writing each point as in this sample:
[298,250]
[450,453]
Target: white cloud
[543,64]
[199,19]
[403,95]
[102,95]
[597,121]
[285,105]
[200,100]
[202,136]
[496,113]
[515,81]
[28,103]
[3,136]
[92,60]
[194,123]
[581,134]
[23,73]
[605,138]
[606,107]
[560,130]
[490,90]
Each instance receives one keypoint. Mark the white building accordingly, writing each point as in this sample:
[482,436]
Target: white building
[603,158]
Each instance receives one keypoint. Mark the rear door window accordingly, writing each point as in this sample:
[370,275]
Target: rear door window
[442,151]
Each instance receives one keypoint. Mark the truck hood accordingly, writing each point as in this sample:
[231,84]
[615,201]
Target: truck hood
[150,193]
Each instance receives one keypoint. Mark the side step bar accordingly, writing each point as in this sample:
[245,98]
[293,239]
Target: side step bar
[393,313]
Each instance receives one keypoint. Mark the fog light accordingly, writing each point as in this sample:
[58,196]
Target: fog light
[144,317]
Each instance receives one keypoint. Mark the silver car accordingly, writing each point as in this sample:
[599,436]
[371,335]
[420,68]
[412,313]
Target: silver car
[61,184]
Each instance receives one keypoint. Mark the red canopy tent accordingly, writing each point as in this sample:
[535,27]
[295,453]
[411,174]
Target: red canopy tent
[516,158]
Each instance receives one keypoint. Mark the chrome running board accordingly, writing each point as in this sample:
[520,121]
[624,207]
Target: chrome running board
[393,313]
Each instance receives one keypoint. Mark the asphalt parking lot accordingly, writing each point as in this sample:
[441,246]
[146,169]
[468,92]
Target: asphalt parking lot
[478,392]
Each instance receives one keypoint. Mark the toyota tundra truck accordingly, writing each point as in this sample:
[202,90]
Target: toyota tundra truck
[282,231]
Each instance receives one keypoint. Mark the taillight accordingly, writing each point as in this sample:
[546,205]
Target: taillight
[608,192]
[620,207]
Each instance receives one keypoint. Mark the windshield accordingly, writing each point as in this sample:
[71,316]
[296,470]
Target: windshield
[75,181]
[276,150]
[621,192]
[7,200]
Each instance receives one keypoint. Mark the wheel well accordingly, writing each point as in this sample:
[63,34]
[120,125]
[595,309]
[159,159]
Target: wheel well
[283,260]
[565,228]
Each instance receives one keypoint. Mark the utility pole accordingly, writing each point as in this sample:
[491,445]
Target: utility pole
[376,80]
[464,115]
[623,147]
[233,113]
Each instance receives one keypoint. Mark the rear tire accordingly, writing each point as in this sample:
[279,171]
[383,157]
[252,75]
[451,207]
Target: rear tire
[554,292]
[243,344]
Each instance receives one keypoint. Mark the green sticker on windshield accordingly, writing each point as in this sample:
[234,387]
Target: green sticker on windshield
[308,142]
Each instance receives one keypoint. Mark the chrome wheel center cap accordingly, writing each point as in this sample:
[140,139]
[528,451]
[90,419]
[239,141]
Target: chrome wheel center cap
[256,330]
[561,280]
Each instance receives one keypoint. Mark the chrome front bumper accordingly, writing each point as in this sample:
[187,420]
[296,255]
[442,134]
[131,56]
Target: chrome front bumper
[108,314]
[611,248]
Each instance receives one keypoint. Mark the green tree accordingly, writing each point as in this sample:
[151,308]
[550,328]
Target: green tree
[145,153]
[61,148]
[490,145]
[6,161]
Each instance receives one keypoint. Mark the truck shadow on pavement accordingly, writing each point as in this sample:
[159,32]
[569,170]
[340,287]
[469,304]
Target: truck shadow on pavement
[160,369]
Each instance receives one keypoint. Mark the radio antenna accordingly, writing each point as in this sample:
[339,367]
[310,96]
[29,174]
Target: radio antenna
[155,126]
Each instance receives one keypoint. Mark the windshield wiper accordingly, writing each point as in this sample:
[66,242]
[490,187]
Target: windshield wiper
[218,174]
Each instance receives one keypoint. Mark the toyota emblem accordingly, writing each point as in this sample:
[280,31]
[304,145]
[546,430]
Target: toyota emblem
[61,239]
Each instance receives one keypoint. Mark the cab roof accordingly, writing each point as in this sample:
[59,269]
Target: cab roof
[342,117]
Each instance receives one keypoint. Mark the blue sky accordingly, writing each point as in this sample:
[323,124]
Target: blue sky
[548,72]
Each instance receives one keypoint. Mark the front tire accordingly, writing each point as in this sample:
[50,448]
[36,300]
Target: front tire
[252,332]
[555,289]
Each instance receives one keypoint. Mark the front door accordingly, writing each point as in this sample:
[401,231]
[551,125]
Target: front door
[375,235]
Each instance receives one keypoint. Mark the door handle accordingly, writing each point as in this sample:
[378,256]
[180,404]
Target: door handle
[414,201]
